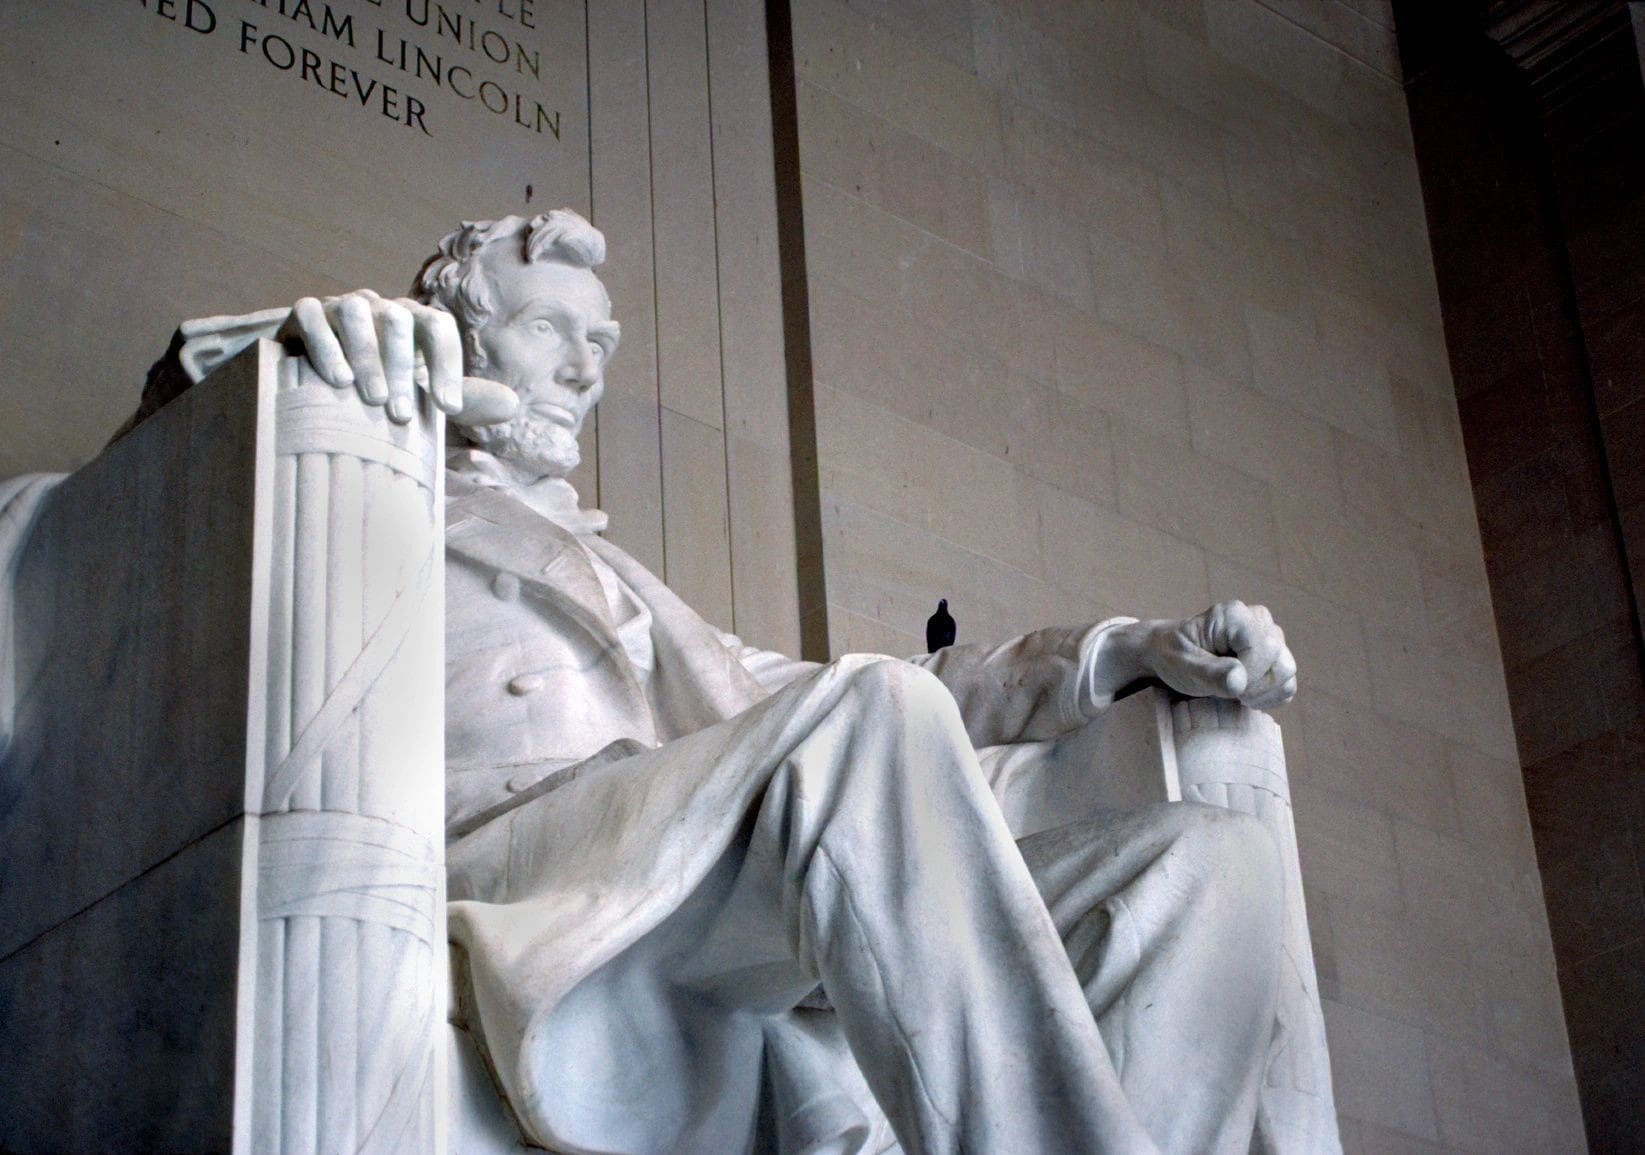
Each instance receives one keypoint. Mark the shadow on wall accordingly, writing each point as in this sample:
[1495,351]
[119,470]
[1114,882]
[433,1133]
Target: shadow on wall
[1530,131]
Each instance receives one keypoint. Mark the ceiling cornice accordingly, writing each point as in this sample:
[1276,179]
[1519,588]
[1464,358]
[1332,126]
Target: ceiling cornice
[1564,48]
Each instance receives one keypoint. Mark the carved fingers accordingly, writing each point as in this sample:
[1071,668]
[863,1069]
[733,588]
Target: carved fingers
[325,352]
[1232,650]
[1259,645]
[384,349]
[358,329]
[435,332]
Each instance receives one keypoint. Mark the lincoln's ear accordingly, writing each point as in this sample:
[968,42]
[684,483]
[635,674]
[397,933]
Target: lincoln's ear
[474,358]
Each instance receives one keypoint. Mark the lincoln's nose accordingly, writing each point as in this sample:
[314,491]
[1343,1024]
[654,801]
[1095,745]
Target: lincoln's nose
[581,366]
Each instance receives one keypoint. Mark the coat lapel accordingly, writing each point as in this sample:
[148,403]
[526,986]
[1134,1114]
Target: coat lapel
[697,681]
[493,529]
[700,680]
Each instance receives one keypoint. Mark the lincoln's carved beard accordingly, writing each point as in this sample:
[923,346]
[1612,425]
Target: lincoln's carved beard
[531,442]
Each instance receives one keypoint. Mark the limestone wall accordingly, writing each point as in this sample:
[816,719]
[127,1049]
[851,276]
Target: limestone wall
[1128,307]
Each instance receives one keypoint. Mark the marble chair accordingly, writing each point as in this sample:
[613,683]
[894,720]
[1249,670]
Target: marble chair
[221,795]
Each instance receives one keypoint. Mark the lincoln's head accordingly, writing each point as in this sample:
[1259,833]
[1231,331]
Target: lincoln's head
[535,317]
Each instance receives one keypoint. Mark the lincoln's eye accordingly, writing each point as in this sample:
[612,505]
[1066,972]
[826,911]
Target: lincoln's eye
[542,327]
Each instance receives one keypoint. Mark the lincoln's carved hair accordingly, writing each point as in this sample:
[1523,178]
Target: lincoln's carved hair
[453,280]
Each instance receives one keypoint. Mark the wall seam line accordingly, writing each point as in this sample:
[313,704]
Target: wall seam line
[656,302]
[719,316]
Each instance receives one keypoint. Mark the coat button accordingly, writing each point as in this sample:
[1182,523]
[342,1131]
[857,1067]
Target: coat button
[506,586]
[525,684]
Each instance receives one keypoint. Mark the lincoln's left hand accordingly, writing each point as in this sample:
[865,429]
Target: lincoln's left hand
[1232,650]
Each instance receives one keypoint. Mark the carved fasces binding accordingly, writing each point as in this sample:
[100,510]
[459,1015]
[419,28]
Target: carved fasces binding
[349,975]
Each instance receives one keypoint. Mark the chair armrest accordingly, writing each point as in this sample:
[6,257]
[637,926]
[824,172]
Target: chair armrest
[1123,759]
[1151,746]
[1227,754]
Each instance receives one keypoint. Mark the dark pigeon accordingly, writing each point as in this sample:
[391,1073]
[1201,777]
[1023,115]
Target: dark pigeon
[940,630]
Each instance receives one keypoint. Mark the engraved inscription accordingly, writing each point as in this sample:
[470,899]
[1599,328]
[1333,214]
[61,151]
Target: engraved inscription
[409,61]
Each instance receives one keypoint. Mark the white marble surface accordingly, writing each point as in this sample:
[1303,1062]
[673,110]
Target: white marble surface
[769,824]
[118,1027]
[121,839]
[130,701]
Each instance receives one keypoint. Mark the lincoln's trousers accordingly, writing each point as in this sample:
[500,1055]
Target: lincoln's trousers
[1108,986]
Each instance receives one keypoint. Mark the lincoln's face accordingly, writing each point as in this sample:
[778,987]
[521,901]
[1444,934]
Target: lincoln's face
[548,338]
